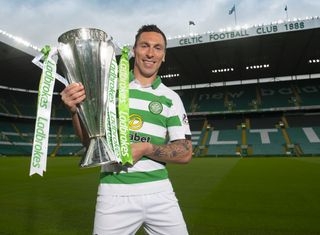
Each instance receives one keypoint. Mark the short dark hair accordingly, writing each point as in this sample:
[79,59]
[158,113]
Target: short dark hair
[150,28]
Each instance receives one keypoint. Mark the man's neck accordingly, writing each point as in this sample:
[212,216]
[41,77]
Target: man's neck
[144,81]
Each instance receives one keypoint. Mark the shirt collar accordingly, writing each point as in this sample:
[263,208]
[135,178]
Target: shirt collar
[156,83]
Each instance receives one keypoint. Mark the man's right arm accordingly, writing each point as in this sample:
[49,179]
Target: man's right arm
[71,96]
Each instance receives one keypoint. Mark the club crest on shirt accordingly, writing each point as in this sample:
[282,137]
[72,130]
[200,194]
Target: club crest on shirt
[155,107]
[135,122]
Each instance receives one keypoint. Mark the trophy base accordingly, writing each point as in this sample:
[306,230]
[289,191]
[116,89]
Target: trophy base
[98,154]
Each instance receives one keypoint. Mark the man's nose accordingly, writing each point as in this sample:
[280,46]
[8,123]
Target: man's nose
[150,52]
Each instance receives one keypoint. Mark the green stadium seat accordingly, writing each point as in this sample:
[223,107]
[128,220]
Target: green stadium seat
[276,95]
[242,96]
[222,150]
[223,142]
[309,91]
[266,141]
[307,138]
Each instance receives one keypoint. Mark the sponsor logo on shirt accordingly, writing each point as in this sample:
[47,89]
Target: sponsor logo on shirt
[135,137]
[135,122]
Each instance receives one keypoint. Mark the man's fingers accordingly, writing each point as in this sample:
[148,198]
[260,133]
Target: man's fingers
[73,87]
[80,98]
[74,99]
[73,95]
[72,92]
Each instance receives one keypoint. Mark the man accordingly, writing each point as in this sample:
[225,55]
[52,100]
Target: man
[142,195]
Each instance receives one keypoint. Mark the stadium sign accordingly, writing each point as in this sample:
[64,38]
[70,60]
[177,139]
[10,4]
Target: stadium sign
[287,26]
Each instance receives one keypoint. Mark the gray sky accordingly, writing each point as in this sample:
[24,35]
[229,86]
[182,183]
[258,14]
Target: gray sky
[41,22]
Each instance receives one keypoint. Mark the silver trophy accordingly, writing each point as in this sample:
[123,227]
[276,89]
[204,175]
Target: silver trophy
[86,56]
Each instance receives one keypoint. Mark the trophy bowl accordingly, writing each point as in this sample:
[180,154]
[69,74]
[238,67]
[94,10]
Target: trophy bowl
[86,56]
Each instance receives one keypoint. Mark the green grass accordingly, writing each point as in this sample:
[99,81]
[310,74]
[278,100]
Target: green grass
[236,196]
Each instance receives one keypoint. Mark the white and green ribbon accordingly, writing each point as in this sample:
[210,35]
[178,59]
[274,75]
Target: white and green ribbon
[123,108]
[37,61]
[45,93]
[111,115]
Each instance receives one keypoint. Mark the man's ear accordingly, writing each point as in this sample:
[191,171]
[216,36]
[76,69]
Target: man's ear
[164,58]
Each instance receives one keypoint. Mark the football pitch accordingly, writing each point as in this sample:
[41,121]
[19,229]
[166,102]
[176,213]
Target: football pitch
[262,195]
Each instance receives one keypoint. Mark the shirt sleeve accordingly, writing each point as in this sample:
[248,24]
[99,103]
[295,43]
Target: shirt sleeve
[178,125]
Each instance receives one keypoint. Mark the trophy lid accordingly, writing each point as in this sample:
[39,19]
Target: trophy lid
[84,34]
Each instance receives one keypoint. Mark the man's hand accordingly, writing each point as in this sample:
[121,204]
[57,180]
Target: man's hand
[140,149]
[73,95]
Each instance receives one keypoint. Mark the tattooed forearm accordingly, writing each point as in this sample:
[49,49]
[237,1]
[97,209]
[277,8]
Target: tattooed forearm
[179,148]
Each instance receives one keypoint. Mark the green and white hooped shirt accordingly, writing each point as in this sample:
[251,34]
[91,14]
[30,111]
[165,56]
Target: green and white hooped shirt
[157,115]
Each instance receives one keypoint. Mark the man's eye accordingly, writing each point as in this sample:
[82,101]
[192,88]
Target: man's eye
[159,48]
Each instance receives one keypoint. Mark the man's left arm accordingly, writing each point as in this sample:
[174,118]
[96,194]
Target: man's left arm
[178,151]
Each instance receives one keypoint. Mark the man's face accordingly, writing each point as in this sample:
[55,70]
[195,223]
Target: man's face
[149,54]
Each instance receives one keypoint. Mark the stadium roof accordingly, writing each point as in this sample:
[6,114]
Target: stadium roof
[288,48]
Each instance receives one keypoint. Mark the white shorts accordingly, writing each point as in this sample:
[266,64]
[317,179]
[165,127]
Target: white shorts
[158,213]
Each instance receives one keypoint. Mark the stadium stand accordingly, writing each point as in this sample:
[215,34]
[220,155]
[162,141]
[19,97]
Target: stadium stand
[267,131]
[216,134]
[24,103]
[223,142]
[17,130]
[187,96]
[288,95]
[250,110]
[196,126]
[266,141]
[259,134]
